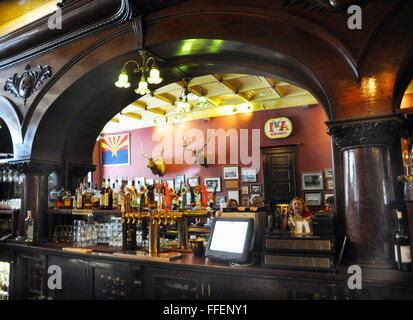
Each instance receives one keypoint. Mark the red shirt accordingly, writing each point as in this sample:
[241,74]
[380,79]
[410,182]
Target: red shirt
[306,214]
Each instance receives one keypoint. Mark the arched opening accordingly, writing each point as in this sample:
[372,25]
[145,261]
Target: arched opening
[68,130]
[6,143]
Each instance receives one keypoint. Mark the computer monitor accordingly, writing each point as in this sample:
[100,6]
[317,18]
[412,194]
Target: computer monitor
[230,239]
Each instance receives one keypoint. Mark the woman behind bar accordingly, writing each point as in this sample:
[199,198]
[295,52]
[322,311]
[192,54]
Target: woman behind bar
[298,208]
[232,203]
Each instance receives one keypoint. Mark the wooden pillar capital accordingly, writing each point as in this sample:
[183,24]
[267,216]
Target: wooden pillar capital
[368,133]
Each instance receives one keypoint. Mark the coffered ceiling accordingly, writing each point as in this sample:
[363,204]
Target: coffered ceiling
[226,94]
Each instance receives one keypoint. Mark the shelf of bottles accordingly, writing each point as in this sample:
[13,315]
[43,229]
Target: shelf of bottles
[121,216]
[4,280]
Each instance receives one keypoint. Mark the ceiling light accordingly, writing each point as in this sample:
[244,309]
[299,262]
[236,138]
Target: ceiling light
[149,73]
[183,105]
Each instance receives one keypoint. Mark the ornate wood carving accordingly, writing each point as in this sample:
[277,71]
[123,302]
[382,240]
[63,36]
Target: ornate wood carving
[25,85]
[366,134]
[98,14]
[324,5]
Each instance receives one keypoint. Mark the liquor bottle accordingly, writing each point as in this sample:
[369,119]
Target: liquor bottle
[29,227]
[88,197]
[109,197]
[54,194]
[102,195]
[134,200]
[61,195]
[115,197]
[79,199]
[402,245]
[96,198]
[67,200]
[129,242]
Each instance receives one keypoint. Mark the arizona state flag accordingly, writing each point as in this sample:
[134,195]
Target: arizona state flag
[115,149]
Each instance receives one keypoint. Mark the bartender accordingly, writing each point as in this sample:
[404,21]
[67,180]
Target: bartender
[298,208]
[257,202]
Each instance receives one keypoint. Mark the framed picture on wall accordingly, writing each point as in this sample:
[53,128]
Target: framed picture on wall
[193,181]
[313,199]
[245,189]
[171,184]
[219,200]
[248,175]
[232,184]
[180,178]
[330,184]
[245,201]
[255,188]
[312,181]
[327,195]
[230,173]
[115,150]
[211,183]
[233,194]
[328,173]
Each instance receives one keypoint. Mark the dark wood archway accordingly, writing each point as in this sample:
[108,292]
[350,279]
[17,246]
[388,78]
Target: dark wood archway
[351,74]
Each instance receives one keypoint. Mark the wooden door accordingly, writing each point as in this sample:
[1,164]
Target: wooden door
[279,174]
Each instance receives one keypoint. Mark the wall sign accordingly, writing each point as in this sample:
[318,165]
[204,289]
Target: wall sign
[276,128]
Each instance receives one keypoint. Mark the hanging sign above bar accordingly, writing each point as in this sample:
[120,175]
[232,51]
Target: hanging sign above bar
[276,128]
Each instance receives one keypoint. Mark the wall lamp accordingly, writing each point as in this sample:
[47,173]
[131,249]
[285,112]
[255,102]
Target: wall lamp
[149,73]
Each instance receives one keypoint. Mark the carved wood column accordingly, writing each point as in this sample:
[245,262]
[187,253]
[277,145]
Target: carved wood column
[35,195]
[369,189]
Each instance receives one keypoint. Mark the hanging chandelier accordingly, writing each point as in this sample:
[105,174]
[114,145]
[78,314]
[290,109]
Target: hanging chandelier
[148,70]
[182,104]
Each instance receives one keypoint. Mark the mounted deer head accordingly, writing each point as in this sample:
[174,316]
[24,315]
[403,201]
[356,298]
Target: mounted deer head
[200,156]
[155,164]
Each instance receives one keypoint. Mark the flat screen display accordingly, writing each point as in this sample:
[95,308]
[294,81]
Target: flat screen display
[230,239]
[229,236]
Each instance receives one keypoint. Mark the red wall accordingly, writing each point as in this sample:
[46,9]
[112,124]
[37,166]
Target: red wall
[309,132]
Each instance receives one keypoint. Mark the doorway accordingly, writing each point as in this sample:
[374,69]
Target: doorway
[279,174]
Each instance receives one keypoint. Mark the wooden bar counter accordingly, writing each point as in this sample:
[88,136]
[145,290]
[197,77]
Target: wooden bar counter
[101,275]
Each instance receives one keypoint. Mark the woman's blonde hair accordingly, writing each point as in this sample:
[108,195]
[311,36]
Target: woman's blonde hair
[291,209]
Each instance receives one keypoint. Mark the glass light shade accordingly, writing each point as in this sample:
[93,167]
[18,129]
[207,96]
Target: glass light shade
[154,76]
[143,87]
[123,81]
[183,106]
[202,101]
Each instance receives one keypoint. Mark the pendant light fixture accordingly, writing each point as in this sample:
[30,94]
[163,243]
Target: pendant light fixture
[148,70]
[182,104]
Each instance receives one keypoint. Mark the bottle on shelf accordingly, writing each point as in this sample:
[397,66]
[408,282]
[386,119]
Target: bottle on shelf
[54,194]
[61,195]
[134,200]
[67,200]
[109,197]
[115,196]
[88,197]
[402,245]
[102,195]
[29,227]
[79,199]
[96,198]
[131,233]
